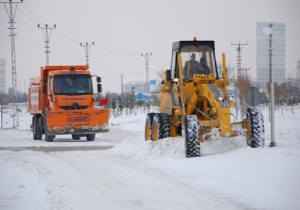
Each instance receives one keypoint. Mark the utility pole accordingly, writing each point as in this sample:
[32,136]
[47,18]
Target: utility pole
[239,47]
[1,104]
[47,33]
[11,10]
[87,49]
[122,85]
[147,59]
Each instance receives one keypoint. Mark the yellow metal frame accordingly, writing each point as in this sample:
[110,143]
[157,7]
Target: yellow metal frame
[213,113]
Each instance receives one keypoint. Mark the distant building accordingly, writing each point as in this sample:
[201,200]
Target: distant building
[138,87]
[2,76]
[263,51]
[154,86]
[141,87]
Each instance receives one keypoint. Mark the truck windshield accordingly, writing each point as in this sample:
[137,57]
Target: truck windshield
[71,84]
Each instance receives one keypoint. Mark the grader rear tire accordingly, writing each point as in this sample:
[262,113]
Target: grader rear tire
[192,144]
[148,126]
[160,126]
[257,129]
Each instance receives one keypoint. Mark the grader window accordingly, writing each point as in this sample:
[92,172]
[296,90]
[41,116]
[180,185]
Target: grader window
[197,60]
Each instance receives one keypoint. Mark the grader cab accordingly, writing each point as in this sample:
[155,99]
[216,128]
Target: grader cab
[194,98]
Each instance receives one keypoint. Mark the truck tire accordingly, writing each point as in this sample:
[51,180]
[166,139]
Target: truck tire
[160,126]
[75,136]
[256,126]
[148,126]
[90,137]
[37,127]
[192,144]
[48,138]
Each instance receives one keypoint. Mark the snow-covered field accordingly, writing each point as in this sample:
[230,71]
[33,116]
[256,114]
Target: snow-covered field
[119,170]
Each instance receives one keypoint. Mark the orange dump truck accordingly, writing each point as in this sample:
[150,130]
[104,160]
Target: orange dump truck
[62,101]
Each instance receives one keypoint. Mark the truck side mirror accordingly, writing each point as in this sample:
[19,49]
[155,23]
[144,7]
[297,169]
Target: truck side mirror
[98,79]
[44,85]
[99,88]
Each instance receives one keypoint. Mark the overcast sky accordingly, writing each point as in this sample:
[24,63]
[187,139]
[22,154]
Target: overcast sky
[123,29]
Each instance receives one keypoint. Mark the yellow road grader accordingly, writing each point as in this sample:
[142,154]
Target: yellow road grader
[194,101]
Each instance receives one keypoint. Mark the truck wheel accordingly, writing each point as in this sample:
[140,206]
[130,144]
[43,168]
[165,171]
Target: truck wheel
[37,128]
[90,137]
[148,126]
[256,126]
[160,126]
[48,138]
[192,144]
[75,136]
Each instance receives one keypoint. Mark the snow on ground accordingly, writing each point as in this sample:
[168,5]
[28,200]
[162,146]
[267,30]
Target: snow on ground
[135,174]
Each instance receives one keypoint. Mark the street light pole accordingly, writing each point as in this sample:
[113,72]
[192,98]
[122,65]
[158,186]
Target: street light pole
[269,32]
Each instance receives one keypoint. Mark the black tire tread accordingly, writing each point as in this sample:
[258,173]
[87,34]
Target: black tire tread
[90,137]
[192,144]
[37,128]
[257,129]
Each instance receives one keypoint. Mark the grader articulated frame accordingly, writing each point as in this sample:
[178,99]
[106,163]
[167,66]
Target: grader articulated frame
[194,98]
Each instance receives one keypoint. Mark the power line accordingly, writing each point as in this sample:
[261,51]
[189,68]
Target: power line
[63,34]
[30,15]
[27,16]
[37,20]
[29,42]
[115,51]
[160,58]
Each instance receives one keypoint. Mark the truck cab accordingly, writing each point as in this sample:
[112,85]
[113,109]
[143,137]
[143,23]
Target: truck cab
[62,101]
[69,91]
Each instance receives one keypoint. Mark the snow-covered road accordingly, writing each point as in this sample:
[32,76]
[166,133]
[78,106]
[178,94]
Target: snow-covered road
[122,171]
[97,180]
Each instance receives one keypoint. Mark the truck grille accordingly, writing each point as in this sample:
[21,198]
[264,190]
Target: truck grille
[73,107]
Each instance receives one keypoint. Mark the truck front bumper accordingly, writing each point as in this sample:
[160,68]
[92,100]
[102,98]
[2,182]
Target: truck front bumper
[77,121]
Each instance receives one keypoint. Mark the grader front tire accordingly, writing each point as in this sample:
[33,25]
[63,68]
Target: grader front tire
[256,137]
[192,144]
